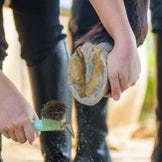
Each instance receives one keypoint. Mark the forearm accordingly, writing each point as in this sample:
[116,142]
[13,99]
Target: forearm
[113,16]
[7,88]
[124,56]
[16,114]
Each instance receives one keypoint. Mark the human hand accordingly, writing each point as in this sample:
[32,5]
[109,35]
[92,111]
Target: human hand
[16,114]
[123,68]
[16,120]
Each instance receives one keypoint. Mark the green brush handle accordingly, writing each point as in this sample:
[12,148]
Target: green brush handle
[48,125]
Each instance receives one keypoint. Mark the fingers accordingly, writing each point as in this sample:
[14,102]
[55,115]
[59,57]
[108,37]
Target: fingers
[15,132]
[35,117]
[115,88]
[29,133]
[21,133]
[13,135]
[118,85]
[5,133]
[124,83]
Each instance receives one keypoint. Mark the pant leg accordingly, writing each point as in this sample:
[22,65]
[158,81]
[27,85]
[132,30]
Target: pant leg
[44,49]
[91,120]
[82,19]
[156,15]
[38,25]
[156,19]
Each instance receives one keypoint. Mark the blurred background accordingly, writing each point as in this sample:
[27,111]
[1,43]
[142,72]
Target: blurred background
[131,120]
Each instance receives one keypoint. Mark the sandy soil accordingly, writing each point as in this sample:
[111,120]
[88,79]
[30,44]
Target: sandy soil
[122,149]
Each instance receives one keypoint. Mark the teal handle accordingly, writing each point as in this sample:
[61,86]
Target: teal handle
[48,125]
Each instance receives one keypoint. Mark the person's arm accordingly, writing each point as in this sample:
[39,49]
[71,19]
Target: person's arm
[16,114]
[123,62]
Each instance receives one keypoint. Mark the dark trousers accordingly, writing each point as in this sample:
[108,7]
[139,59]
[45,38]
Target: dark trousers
[38,26]
[39,30]
[156,19]
[83,18]
[156,15]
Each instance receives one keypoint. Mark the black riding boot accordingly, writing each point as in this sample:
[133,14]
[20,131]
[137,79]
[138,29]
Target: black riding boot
[157,152]
[49,82]
[92,127]
[92,131]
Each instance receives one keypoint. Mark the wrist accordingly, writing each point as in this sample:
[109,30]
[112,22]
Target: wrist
[7,88]
[126,39]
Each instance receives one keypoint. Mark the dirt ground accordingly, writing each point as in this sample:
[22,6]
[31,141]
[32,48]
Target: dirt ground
[123,147]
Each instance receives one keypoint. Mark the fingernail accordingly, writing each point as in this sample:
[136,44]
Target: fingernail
[30,143]
[116,97]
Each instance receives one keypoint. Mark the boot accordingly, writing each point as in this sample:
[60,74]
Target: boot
[92,131]
[157,152]
[92,127]
[49,82]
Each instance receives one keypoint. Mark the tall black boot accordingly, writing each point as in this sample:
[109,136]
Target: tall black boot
[92,127]
[157,152]
[92,131]
[49,82]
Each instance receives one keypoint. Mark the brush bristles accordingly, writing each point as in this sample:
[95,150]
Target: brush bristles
[53,110]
